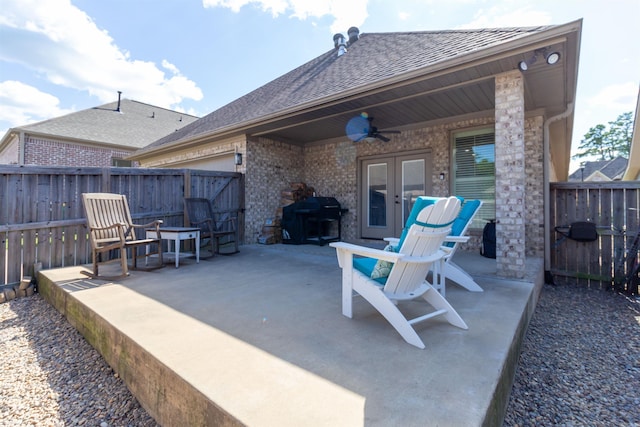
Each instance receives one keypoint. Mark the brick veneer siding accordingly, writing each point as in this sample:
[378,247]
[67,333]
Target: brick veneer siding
[331,168]
[47,152]
[534,191]
[510,175]
[271,167]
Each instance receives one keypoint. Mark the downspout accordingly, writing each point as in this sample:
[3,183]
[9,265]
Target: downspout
[545,166]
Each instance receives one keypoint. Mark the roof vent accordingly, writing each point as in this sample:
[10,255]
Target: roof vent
[353,33]
[119,94]
[340,43]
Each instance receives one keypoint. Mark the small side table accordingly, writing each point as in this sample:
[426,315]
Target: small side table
[177,234]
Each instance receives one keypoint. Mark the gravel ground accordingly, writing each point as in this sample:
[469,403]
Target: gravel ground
[52,377]
[580,366]
[580,361]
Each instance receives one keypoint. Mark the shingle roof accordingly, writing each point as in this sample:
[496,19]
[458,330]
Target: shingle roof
[135,125]
[613,169]
[375,57]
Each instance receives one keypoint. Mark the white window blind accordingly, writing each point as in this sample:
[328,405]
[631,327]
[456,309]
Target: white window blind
[474,172]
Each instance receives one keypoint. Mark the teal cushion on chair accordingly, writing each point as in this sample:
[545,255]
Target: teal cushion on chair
[366,267]
[467,210]
[420,203]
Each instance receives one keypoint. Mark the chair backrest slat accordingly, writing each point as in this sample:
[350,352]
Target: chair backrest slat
[421,241]
[198,211]
[103,210]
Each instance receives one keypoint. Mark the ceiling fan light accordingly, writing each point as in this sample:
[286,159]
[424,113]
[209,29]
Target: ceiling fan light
[369,139]
[553,58]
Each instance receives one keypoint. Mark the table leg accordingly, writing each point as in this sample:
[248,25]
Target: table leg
[177,243]
[197,247]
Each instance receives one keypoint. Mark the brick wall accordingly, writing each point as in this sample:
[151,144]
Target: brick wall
[46,152]
[271,167]
[331,168]
[534,186]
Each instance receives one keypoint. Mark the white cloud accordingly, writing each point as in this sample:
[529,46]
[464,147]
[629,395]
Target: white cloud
[169,66]
[504,16]
[617,97]
[63,44]
[345,13]
[21,104]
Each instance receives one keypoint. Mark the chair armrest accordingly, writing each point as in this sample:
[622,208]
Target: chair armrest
[456,239]
[219,224]
[392,240]
[367,252]
[109,227]
[420,260]
[155,224]
[201,221]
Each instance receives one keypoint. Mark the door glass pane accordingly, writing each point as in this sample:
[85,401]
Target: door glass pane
[413,185]
[377,194]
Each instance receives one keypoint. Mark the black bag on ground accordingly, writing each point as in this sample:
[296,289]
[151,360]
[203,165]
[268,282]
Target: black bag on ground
[580,231]
[488,247]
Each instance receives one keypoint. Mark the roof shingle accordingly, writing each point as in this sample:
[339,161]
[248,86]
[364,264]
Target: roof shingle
[135,125]
[373,58]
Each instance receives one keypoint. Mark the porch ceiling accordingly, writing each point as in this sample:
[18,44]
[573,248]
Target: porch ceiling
[460,92]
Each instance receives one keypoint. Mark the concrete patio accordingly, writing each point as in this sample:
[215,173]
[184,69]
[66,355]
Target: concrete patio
[258,339]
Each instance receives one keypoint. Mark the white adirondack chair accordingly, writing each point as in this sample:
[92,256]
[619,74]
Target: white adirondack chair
[406,279]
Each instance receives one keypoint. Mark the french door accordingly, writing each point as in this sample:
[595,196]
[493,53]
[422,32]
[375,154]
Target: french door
[388,189]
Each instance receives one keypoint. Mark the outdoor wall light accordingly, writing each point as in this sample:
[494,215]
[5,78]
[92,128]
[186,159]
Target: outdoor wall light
[551,58]
[238,159]
[441,176]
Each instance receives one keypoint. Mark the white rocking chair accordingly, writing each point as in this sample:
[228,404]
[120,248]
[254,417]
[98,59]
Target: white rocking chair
[407,273]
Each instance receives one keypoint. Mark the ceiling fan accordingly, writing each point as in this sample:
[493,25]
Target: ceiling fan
[360,128]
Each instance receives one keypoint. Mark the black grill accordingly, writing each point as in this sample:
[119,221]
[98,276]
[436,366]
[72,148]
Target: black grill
[316,220]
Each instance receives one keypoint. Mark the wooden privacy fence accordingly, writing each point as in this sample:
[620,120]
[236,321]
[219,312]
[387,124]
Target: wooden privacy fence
[613,207]
[42,220]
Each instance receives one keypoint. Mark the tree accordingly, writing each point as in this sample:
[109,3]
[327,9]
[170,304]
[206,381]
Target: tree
[608,143]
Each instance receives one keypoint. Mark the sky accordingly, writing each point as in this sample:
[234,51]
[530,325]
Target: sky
[195,56]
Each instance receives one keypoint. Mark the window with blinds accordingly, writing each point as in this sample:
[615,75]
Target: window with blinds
[474,171]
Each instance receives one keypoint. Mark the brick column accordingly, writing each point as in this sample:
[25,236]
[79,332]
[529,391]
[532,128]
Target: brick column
[510,175]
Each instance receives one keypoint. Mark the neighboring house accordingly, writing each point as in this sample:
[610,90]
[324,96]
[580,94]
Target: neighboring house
[100,136]
[472,123]
[599,171]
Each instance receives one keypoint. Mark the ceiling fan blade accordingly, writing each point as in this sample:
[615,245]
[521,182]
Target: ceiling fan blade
[357,128]
[389,131]
[382,137]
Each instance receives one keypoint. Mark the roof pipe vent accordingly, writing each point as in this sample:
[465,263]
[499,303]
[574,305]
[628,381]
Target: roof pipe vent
[119,94]
[353,34]
[340,43]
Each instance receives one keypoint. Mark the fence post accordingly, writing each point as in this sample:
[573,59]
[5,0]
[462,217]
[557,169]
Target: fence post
[186,190]
[106,180]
